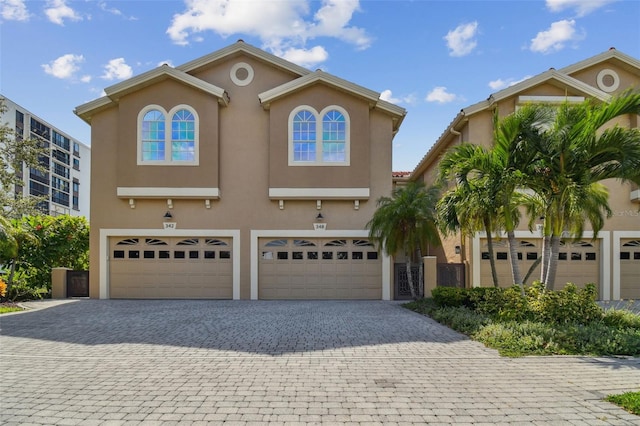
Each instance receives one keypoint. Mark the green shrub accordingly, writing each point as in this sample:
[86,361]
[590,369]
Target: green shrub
[600,339]
[23,289]
[621,318]
[514,338]
[460,319]
[449,296]
[566,306]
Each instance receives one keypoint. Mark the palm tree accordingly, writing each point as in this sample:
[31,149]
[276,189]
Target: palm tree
[573,155]
[468,208]
[509,166]
[489,182]
[405,223]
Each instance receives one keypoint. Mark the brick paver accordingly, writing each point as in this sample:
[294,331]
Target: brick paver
[113,362]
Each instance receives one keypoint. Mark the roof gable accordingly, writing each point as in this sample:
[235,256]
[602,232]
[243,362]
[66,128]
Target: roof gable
[321,77]
[164,72]
[612,55]
[551,76]
[241,47]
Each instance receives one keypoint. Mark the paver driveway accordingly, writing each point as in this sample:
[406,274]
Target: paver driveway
[186,362]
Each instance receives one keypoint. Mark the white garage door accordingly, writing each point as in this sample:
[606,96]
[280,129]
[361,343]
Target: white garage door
[170,268]
[578,262]
[319,269]
[630,269]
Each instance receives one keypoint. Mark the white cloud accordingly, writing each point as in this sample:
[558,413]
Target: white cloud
[305,57]
[581,7]
[117,12]
[14,10]
[58,11]
[462,40]
[167,62]
[65,66]
[387,95]
[85,79]
[117,69]
[500,84]
[290,23]
[439,94]
[555,38]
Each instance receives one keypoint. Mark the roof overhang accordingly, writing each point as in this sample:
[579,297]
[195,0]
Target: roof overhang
[164,72]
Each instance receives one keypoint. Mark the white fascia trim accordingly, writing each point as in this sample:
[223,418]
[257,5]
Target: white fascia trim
[272,233]
[319,193]
[105,234]
[617,236]
[635,195]
[605,259]
[550,99]
[158,192]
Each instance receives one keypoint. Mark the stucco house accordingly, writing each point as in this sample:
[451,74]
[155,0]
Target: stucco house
[612,260]
[238,175]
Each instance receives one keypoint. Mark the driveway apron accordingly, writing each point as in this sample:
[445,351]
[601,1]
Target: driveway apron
[149,362]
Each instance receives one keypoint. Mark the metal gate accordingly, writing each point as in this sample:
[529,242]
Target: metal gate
[451,275]
[401,287]
[77,283]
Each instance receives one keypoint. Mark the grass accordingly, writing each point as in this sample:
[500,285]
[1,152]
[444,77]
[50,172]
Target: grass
[630,401]
[6,308]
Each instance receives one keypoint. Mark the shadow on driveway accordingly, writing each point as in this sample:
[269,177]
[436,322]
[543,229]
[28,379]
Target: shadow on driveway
[262,327]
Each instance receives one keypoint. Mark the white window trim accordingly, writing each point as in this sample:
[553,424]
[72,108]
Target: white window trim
[168,117]
[319,144]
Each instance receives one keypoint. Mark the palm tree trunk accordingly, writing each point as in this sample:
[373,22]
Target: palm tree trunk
[410,277]
[492,259]
[515,265]
[546,254]
[531,269]
[553,262]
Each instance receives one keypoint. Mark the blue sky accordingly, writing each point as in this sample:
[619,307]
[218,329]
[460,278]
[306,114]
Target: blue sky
[431,57]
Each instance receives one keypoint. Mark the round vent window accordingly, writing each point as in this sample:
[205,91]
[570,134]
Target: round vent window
[608,80]
[241,74]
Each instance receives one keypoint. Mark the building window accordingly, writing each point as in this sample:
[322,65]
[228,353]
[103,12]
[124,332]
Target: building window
[76,149]
[304,136]
[324,145]
[62,141]
[333,137]
[183,142]
[76,164]
[160,146]
[153,136]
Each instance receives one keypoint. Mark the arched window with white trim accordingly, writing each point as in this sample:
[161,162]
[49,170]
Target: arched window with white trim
[319,139]
[168,138]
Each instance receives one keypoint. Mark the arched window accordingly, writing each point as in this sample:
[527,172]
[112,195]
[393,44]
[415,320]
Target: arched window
[183,142]
[168,138]
[333,137]
[319,145]
[153,136]
[304,136]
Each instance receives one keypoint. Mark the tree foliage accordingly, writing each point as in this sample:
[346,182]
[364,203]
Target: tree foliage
[405,223]
[43,243]
[549,159]
[15,153]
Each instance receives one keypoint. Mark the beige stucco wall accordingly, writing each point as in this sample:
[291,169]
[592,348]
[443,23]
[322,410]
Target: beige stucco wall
[243,152]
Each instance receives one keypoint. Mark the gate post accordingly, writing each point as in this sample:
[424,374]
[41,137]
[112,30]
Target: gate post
[430,267]
[59,283]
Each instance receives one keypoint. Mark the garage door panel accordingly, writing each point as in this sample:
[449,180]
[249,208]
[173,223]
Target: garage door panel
[319,269]
[579,262]
[629,269]
[170,268]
